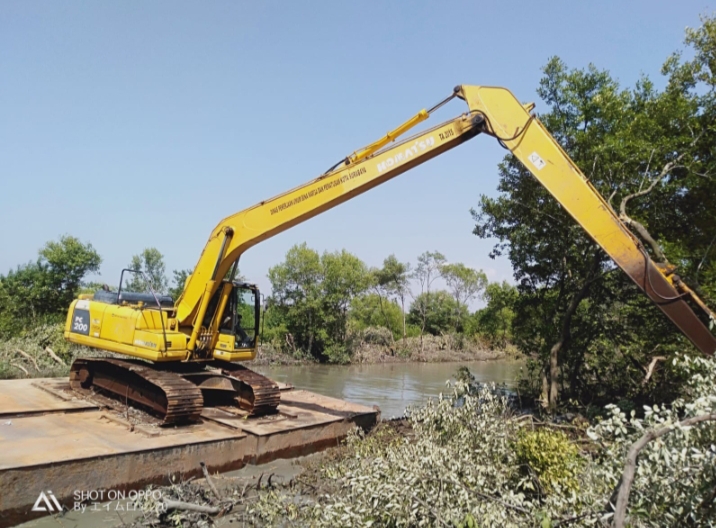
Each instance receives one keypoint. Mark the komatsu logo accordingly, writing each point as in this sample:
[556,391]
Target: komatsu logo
[409,152]
[47,502]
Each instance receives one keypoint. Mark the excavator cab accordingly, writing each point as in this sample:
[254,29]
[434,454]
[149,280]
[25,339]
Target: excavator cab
[239,328]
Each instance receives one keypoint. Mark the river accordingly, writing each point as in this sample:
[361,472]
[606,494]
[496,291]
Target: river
[390,386]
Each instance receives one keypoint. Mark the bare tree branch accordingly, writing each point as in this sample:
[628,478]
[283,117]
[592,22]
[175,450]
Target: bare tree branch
[637,226]
[210,482]
[706,254]
[28,356]
[665,171]
[646,171]
[18,366]
[54,356]
[611,197]
[650,368]
[627,479]
[179,505]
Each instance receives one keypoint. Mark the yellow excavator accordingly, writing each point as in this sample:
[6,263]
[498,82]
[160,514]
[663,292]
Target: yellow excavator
[184,351]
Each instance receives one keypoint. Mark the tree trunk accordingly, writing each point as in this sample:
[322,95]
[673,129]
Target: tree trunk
[310,335]
[565,334]
[554,369]
[402,304]
[382,311]
[423,326]
[544,393]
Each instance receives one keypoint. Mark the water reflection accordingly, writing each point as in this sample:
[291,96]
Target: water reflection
[391,386]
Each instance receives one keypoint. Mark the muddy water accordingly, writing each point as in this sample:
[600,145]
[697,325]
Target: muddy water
[391,386]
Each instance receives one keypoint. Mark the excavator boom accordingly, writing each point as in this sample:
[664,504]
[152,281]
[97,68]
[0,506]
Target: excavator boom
[494,111]
[536,148]
[237,233]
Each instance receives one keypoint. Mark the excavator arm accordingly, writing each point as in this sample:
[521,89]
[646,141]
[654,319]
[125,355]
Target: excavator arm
[528,139]
[493,111]
[354,175]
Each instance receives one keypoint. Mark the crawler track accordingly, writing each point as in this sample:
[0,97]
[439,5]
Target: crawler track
[177,393]
[261,395]
[162,392]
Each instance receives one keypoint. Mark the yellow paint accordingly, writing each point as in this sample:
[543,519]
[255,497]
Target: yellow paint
[390,136]
[492,110]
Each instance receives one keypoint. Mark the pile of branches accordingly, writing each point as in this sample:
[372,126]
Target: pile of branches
[470,459]
[41,353]
[221,499]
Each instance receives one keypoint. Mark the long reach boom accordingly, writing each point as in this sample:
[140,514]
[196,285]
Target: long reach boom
[493,111]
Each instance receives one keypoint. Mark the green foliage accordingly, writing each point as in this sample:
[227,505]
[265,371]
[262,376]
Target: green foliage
[392,281]
[151,263]
[310,302]
[178,281]
[676,473]
[372,310]
[412,330]
[42,291]
[626,141]
[425,273]
[552,458]
[494,321]
[437,312]
[464,463]
[34,357]
[465,284]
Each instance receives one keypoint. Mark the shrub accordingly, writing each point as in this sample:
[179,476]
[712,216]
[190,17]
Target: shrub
[552,458]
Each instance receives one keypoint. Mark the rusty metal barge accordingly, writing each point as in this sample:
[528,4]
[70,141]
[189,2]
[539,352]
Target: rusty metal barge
[54,440]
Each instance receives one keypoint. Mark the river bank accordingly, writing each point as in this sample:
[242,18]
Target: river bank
[429,349]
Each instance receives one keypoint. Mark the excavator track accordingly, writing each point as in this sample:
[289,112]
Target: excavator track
[263,395]
[162,392]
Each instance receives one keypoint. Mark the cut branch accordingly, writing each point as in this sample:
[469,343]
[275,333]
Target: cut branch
[188,506]
[650,368]
[54,356]
[210,482]
[28,356]
[20,367]
[627,479]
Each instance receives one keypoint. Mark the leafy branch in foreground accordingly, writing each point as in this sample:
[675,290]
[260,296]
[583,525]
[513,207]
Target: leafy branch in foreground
[472,461]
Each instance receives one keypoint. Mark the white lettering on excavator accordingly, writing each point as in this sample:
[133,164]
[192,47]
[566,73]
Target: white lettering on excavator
[79,325]
[318,190]
[146,344]
[405,155]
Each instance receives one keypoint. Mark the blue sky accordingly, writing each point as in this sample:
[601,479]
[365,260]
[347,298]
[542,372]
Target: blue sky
[139,124]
